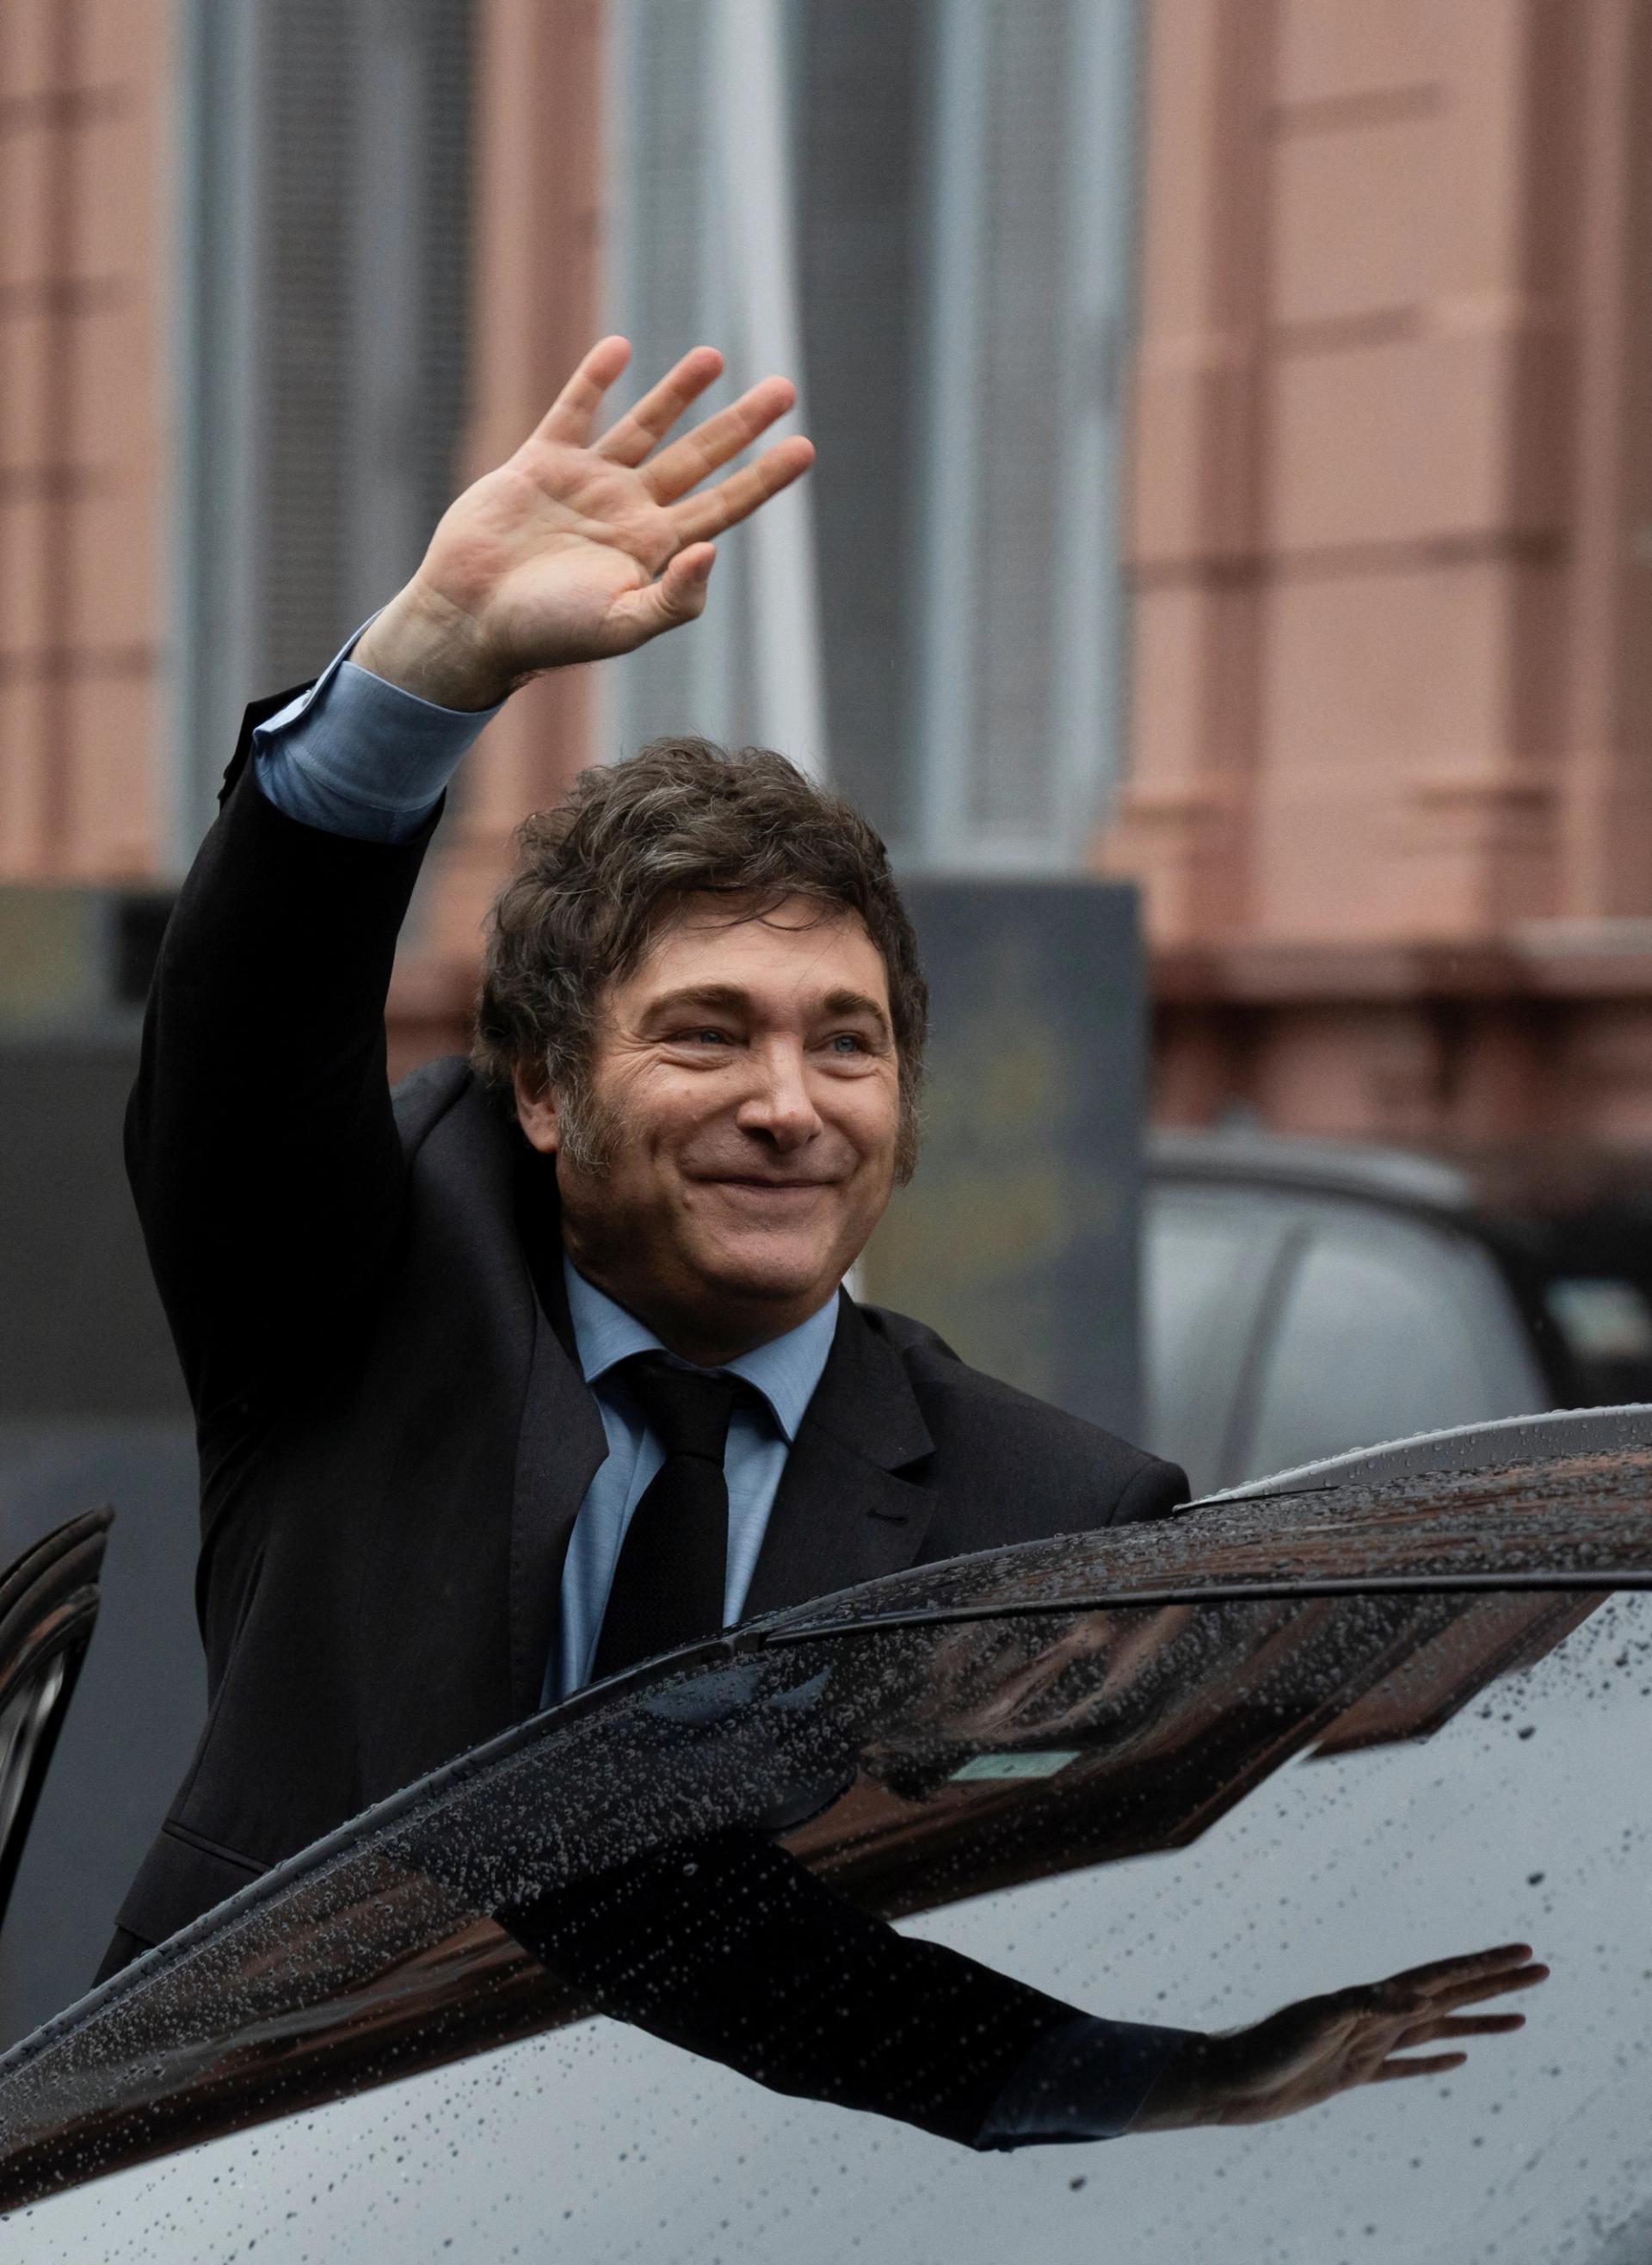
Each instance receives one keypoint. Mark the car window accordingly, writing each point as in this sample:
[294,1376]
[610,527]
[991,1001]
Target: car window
[1386,1329]
[1606,1323]
[1183,1801]
[49,1607]
[1208,1259]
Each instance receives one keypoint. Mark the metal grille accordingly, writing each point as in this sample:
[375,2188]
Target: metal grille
[301,360]
[860,219]
[365,123]
[326,255]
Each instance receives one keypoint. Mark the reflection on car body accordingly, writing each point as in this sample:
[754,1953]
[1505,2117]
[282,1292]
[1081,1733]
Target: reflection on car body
[937,1736]
[49,1608]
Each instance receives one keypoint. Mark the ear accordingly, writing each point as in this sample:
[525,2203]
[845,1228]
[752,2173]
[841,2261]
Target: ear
[537,1115]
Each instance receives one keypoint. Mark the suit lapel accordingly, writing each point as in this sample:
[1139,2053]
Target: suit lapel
[844,1513]
[559,1449]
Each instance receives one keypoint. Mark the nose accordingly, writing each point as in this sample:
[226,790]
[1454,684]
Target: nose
[779,1108]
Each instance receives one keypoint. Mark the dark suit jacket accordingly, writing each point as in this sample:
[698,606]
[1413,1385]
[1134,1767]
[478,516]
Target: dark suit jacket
[394,1441]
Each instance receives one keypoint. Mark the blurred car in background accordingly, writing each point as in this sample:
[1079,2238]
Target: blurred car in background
[1304,1298]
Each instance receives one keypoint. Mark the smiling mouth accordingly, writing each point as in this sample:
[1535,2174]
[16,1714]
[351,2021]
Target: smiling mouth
[769,1187]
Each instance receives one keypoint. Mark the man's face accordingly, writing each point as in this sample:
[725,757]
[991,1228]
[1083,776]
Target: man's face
[747,1087]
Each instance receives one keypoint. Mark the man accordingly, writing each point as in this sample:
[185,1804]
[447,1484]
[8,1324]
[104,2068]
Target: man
[543,1366]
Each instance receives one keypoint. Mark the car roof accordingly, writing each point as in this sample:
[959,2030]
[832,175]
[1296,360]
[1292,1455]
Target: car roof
[1301,1166]
[1504,1441]
[1559,1182]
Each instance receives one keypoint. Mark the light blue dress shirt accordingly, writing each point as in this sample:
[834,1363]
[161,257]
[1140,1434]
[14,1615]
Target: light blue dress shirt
[784,1372]
[357,756]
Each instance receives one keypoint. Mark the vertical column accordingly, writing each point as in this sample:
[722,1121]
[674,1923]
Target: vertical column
[1606,824]
[537,254]
[214,566]
[1198,474]
[747,95]
[1353,440]
[80,99]
[60,476]
[1017,576]
[31,326]
[667,283]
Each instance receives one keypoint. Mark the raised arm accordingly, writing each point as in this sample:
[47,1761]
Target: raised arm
[261,1139]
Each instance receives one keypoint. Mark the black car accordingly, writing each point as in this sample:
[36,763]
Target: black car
[1307,1297]
[1307,1733]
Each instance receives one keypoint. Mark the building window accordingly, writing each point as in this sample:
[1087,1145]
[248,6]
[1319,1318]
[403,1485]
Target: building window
[952,224]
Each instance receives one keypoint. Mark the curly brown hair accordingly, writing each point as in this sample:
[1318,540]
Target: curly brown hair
[598,877]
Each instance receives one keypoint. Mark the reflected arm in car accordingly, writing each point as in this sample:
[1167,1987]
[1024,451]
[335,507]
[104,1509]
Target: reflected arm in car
[733,1949]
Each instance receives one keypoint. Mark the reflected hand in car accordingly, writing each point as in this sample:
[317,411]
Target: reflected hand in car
[1321,2046]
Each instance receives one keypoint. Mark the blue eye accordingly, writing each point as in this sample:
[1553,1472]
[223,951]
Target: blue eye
[847,1039]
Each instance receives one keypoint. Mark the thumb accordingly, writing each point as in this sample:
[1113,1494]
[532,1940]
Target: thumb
[678,596]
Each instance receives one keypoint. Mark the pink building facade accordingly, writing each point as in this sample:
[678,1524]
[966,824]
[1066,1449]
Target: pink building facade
[85,120]
[1391,541]
[1389,536]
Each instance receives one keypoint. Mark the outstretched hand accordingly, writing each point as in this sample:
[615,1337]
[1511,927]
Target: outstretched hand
[575,549]
[1309,2051]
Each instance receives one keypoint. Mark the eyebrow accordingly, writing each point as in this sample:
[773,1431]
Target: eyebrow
[731,998]
[856,1002]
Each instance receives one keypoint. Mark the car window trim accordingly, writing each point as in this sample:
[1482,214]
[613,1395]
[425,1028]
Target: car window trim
[1225,1351]
[1297,1238]
[1228,1592]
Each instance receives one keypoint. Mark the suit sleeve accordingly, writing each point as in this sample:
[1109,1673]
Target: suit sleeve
[1159,1489]
[261,1144]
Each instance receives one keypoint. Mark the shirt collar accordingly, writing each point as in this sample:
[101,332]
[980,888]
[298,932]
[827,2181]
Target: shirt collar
[785,1371]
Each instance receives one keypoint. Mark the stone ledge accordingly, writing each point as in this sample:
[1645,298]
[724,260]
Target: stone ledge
[1545,960]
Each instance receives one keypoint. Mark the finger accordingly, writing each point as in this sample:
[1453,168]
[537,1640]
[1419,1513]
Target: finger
[711,445]
[739,496]
[644,426]
[1430,2064]
[1457,2025]
[1493,1985]
[678,596]
[1396,2000]
[571,415]
[1448,1970]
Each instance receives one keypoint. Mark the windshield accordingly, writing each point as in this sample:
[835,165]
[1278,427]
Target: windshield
[1176,1810]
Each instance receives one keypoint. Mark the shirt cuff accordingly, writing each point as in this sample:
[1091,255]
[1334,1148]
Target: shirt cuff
[359,756]
[1084,2080]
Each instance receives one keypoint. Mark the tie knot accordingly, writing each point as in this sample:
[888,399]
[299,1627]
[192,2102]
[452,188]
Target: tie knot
[688,1409]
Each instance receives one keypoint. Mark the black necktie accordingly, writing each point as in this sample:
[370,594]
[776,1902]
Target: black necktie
[668,1584]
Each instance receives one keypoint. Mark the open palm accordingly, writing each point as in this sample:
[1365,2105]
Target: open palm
[1321,2046]
[575,549]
